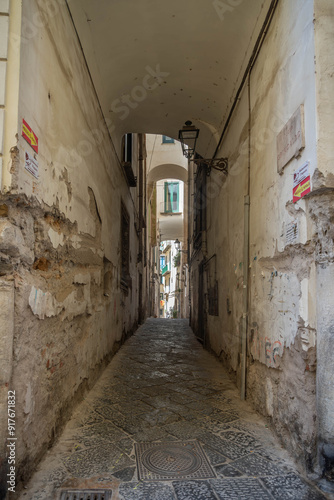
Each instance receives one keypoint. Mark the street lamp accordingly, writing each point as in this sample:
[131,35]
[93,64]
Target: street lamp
[188,137]
[178,246]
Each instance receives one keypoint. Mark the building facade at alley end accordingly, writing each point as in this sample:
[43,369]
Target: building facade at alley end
[95,191]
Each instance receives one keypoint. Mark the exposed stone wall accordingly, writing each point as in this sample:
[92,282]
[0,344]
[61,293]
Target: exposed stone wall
[322,215]
[60,235]
[283,314]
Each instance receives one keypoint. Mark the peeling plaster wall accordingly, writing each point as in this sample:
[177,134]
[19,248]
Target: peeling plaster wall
[60,242]
[322,216]
[283,311]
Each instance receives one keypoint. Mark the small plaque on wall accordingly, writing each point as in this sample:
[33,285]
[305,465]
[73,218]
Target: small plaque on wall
[292,233]
[31,165]
[291,139]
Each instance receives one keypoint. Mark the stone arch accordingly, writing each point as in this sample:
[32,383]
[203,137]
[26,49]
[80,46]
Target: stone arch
[168,171]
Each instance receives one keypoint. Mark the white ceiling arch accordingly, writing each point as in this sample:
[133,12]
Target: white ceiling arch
[157,63]
[168,171]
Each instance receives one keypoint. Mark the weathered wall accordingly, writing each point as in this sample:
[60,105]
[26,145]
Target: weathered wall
[283,312]
[282,319]
[322,214]
[60,234]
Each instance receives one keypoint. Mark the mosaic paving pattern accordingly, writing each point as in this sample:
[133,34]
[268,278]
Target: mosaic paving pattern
[172,460]
[163,388]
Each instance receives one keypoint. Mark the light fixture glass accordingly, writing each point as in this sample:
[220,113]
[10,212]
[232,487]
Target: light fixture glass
[188,137]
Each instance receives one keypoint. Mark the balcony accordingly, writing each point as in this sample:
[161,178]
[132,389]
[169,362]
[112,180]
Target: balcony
[165,269]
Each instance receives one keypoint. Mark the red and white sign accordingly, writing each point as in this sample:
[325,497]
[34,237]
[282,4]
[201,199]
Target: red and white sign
[301,182]
[29,135]
[31,165]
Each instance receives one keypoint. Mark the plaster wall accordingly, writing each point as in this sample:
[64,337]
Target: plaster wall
[4,31]
[159,153]
[171,225]
[321,208]
[282,320]
[60,233]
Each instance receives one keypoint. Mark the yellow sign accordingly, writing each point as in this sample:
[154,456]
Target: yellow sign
[301,188]
[29,136]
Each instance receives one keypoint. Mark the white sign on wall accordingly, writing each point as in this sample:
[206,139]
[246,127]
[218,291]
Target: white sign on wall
[291,139]
[291,233]
[31,165]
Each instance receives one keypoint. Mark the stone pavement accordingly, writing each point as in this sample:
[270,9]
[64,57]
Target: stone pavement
[165,422]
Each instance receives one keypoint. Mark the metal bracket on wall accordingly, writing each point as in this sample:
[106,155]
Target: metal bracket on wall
[220,164]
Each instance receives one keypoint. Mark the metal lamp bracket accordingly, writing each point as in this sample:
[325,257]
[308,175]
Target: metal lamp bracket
[220,164]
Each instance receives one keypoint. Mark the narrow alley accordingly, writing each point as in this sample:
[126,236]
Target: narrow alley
[165,422]
[166,249]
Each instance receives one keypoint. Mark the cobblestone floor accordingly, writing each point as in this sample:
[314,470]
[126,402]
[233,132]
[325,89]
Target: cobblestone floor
[163,387]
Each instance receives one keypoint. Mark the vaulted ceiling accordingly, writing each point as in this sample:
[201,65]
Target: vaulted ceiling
[157,63]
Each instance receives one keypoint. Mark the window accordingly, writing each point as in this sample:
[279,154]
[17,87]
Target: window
[125,247]
[167,140]
[162,261]
[171,197]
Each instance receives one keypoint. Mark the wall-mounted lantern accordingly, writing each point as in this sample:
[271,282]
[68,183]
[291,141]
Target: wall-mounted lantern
[188,137]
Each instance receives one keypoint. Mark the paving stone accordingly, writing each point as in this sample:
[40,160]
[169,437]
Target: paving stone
[98,459]
[135,407]
[104,429]
[226,448]
[126,444]
[125,475]
[239,489]
[214,426]
[201,407]
[158,401]
[181,398]
[214,457]
[291,487]
[161,416]
[240,438]
[228,471]
[151,434]
[205,391]
[254,465]
[146,491]
[163,386]
[224,416]
[193,490]
[184,430]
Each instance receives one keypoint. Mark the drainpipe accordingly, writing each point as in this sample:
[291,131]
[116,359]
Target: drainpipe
[188,239]
[245,301]
[140,196]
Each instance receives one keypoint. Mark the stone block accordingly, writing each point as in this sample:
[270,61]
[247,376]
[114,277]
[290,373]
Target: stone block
[12,242]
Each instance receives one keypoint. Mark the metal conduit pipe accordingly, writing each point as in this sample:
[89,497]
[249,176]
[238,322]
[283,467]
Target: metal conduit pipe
[245,299]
